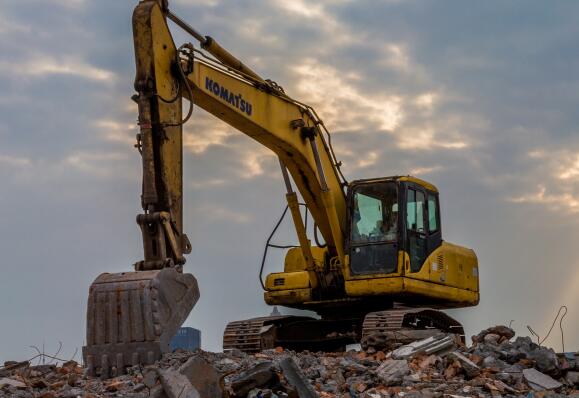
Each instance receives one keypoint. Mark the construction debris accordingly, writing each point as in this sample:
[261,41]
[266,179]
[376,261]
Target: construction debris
[296,378]
[495,365]
[539,381]
[392,371]
[440,343]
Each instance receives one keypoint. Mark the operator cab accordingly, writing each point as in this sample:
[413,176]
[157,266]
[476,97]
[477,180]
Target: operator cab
[388,216]
[394,251]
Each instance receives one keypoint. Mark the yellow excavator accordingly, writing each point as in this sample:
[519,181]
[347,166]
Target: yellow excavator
[381,264]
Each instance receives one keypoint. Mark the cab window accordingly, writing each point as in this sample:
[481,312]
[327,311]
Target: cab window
[375,213]
[415,211]
[433,216]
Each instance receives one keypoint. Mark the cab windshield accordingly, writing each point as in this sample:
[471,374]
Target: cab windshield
[375,213]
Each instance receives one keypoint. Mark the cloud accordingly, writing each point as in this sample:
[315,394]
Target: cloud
[318,17]
[416,138]
[396,56]
[558,171]
[303,9]
[562,201]
[418,171]
[223,213]
[413,120]
[44,66]
[253,163]
[570,170]
[204,3]
[255,30]
[368,160]
[342,105]
[205,132]
[12,27]
[15,161]
[99,164]
[426,101]
[116,131]
[213,182]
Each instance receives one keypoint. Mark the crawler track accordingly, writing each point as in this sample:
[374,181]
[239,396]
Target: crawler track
[382,328]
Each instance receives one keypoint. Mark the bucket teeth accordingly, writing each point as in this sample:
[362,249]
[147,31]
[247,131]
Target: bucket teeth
[132,316]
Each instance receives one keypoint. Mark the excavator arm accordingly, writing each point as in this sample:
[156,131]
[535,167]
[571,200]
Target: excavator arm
[132,316]
[229,90]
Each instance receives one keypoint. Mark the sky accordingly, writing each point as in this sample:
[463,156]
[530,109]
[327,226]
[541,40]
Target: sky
[479,98]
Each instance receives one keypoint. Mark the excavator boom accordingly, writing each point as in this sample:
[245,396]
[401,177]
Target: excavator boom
[132,315]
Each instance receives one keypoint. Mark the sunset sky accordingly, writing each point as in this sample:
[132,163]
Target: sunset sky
[479,98]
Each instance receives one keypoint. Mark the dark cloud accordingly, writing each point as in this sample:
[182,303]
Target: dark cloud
[478,98]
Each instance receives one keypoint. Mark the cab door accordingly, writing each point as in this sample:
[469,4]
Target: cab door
[416,228]
[373,242]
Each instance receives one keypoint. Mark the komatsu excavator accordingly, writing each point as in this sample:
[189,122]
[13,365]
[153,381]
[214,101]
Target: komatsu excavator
[383,266]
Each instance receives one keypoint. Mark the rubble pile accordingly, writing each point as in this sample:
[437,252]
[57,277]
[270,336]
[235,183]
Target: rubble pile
[497,364]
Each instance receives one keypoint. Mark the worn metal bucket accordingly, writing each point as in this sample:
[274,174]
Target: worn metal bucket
[132,317]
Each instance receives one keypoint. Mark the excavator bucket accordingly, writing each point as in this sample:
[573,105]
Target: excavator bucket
[132,317]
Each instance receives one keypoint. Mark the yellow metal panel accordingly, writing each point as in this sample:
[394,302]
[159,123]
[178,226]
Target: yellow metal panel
[465,274]
[294,260]
[449,274]
[374,286]
[418,181]
[287,280]
[450,265]
[402,257]
[288,297]
[403,288]
[171,147]
[154,53]
[305,246]
[460,297]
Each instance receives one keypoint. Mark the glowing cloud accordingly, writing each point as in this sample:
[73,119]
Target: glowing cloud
[343,106]
[564,201]
[42,66]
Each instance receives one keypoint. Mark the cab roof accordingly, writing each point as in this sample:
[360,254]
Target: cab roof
[412,179]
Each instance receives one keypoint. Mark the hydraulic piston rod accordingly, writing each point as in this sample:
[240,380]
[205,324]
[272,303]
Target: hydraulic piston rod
[211,46]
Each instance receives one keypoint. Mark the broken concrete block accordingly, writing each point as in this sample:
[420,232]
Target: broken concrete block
[260,375]
[492,338]
[441,343]
[392,371]
[539,381]
[470,368]
[493,363]
[176,385]
[12,383]
[452,370]
[428,362]
[11,366]
[390,340]
[502,331]
[203,376]
[150,377]
[296,378]
[546,360]
[572,378]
